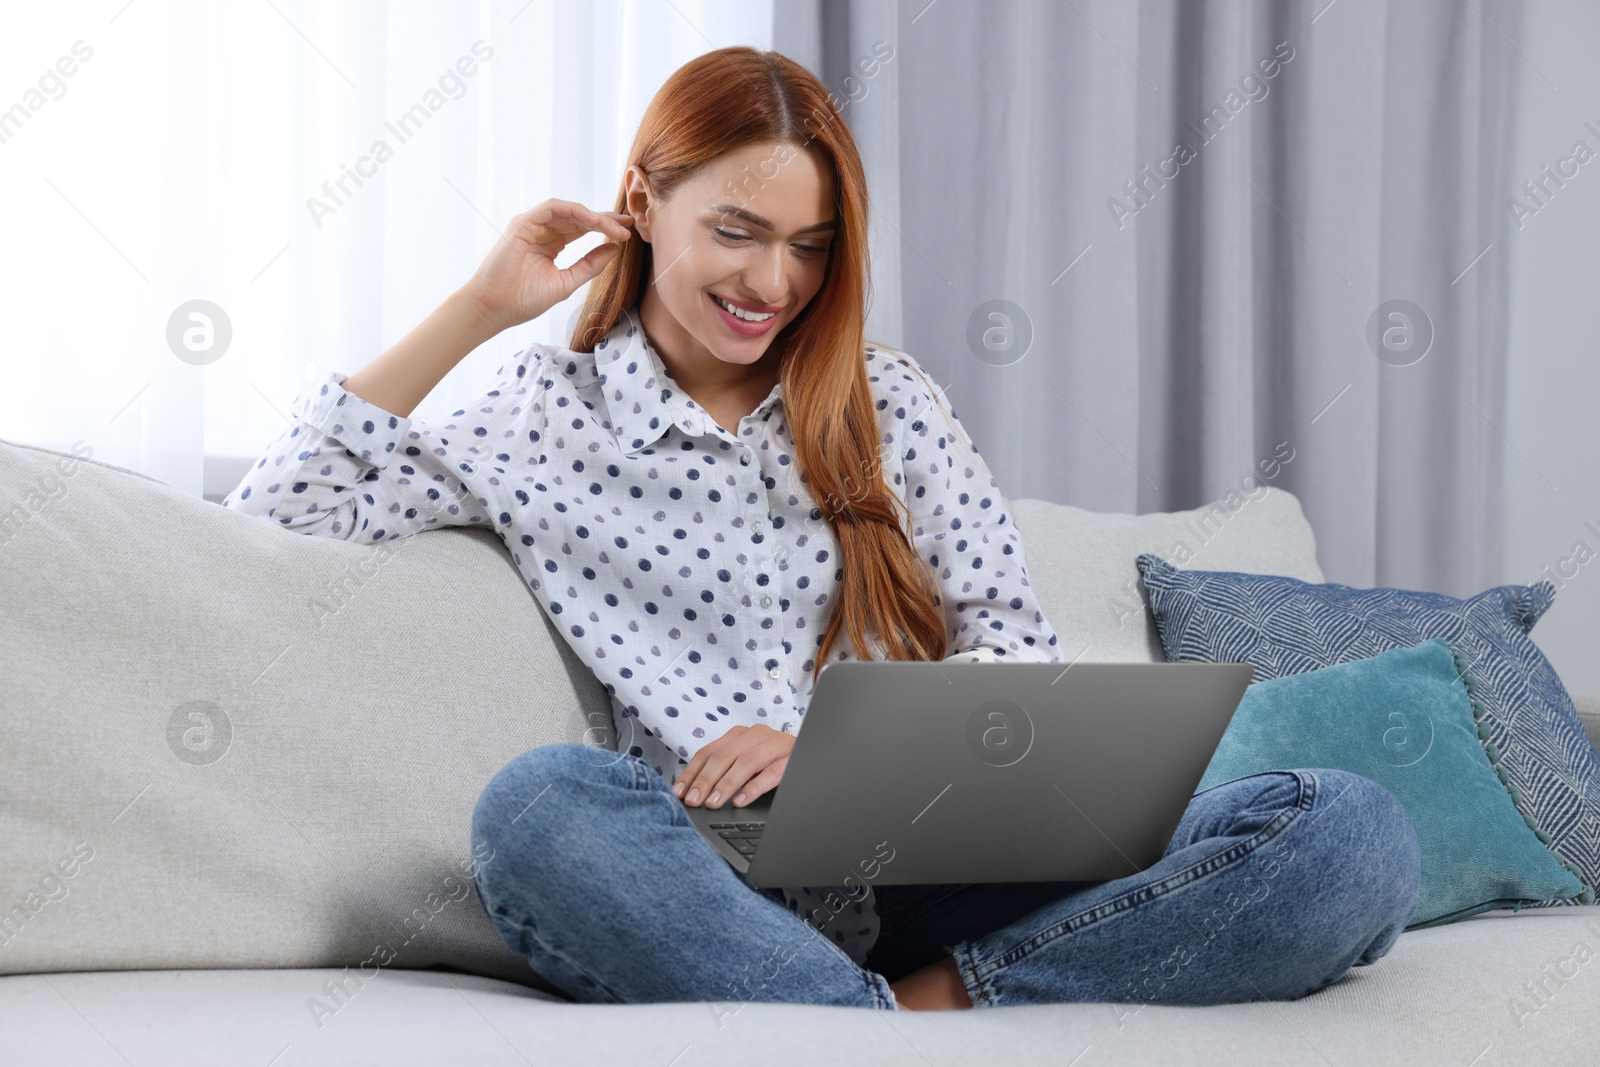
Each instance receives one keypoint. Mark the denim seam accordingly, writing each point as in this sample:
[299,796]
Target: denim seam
[528,930]
[978,974]
[574,965]
[641,780]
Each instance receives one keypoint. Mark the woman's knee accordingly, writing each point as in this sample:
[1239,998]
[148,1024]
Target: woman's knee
[1367,820]
[525,831]
[538,789]
[1369,865]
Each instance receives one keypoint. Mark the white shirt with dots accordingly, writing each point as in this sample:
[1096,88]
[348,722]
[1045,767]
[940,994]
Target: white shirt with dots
[686,564]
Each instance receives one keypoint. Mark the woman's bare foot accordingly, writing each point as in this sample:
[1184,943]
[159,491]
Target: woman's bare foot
[937,987]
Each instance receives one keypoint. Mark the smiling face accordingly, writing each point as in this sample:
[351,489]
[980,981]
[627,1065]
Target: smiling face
[752,230]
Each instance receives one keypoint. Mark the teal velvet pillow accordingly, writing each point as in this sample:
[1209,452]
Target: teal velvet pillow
[1405,720]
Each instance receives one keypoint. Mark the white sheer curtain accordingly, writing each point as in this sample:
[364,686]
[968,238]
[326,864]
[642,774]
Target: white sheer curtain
[176,162]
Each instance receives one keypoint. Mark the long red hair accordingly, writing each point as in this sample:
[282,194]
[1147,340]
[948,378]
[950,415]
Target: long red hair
[721,101]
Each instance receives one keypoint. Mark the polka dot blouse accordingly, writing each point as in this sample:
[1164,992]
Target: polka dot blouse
[687,564]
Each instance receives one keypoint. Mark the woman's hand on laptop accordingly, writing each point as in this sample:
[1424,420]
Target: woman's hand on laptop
[743,763]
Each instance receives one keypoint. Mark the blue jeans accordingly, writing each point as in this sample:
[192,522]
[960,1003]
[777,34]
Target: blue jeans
[1273,886]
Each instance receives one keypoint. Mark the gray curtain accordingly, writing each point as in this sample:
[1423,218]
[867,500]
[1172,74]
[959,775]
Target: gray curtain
[1313,295]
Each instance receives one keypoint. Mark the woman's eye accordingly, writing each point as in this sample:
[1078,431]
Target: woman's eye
[726,236]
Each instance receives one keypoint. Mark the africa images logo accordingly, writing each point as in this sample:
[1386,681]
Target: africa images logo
[999,732]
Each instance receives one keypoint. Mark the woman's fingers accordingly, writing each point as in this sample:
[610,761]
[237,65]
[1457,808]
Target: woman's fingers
[711,763]
[734,762]
[519,280]
[585,219]
[570,219]
[689,774]
[755,787]
[719,761]
[770,749]
[552,225]
[591,264]
[561,230]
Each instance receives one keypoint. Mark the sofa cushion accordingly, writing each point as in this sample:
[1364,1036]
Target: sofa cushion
[1081,563]
[1499,988]
[1403,719]
[229,745]
[1283,626]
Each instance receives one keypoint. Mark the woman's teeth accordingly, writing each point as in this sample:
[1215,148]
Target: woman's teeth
[748,316]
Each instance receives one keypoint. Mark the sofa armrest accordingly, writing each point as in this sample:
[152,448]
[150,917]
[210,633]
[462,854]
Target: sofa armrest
[1589,711]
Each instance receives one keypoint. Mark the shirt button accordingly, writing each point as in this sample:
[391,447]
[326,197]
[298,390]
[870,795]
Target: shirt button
[775,673]
[744,458]
[766,602]
[755,527]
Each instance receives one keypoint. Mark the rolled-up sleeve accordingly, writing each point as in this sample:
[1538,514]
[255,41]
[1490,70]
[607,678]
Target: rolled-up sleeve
[961,525]
[350,470]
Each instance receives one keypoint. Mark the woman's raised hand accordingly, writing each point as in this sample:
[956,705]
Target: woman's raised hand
[519,279]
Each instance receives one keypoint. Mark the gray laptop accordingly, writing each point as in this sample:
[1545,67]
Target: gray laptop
[910,773]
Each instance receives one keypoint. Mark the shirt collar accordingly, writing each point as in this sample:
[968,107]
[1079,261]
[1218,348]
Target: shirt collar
[642,400]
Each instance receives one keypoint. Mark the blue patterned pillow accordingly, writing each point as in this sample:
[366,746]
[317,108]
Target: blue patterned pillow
[1282,626]
[1405,720]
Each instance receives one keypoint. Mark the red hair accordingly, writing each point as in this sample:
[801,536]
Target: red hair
[721,101]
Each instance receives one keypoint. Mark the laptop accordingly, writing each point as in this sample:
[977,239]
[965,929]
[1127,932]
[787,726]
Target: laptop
[928,772]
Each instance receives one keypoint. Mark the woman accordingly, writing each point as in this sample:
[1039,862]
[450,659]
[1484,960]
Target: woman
[713,489]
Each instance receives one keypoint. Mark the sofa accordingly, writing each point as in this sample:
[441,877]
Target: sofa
[239,766]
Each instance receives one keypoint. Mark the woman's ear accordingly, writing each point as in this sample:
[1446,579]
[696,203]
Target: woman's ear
[637,197]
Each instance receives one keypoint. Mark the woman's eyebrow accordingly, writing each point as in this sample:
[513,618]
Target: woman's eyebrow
[765,224]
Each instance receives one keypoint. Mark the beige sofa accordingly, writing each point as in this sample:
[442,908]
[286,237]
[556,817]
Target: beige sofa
[239,764]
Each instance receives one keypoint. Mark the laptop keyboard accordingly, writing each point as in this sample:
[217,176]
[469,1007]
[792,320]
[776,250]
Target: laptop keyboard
[743,836]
